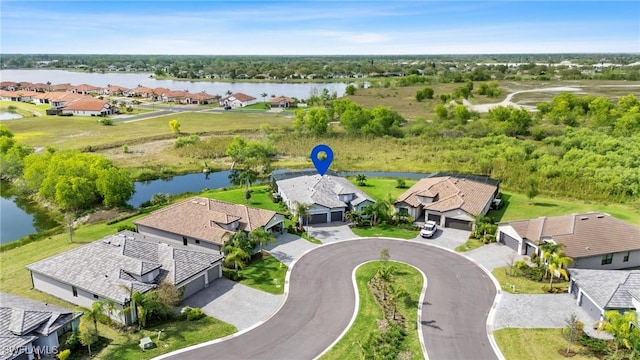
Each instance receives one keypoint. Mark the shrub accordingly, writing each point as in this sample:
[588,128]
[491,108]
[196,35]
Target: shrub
[106,121]
[64,354]
[596,346]
[195,314]
[127,227]
[232,274]
[186,140]
[401,184]
[73,341]
[12,108]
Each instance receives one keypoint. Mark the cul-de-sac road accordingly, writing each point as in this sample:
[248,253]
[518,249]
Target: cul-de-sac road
[321,303]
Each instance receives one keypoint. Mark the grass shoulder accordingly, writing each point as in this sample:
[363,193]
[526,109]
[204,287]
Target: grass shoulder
[386,230]
[383,188]
[469,245]
[260,197]
[537,344]
[512,281]
[369,311]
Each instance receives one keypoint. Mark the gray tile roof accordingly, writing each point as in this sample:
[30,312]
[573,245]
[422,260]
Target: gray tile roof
[321,190]
[110,266]
[23,320]
[610,289]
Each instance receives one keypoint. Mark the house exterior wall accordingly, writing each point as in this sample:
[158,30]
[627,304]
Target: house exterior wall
[363,204]
[278,219]
[595,262]
[64,291]
[412,211]
[453,214]
[46,344]
[175,240]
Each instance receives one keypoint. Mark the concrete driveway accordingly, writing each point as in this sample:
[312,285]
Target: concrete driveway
[289,247]
[493,256]
[332,232]
[234,303]
[446,237]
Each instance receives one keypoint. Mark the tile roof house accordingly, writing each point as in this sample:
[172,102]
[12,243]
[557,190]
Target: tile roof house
[18,95]
[114,266]
[114,90]
[237,100]
[281,102]
[88,106]
[597,291]
[200,98]
[330,196]
[593,240]
[449,201]
[206,223]
[30,328]
[62,87]
[85,89]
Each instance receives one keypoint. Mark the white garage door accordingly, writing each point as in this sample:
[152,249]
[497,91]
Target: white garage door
[509,241]
[193,287]
[590,308]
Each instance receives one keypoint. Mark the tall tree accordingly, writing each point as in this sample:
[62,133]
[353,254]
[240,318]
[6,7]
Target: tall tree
[261,236]
[623,328]
[237,258]
[301,213]
[87,334]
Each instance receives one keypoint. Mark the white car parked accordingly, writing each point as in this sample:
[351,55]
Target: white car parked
[428,229]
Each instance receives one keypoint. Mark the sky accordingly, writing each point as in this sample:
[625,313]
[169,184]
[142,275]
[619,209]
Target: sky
[329,27]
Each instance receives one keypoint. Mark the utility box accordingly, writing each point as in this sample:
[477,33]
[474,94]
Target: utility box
[146,343]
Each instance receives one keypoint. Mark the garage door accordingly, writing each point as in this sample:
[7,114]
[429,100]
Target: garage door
[318,219]
[590,308]
[529,250]
[193,287]
[457,224]
[509,241]
[434,217]
[213,273]
[336,216]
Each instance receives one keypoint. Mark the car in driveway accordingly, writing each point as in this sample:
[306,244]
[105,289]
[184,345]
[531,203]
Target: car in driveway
[428,229]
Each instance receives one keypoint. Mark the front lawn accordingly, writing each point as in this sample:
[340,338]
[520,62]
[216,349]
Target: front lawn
[518,284]
[385,230]
[266,274]
[175,335]
[260,197]
[469,245]
[369,311]
[536,344]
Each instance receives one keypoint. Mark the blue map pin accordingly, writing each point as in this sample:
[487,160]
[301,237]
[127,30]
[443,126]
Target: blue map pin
[322,165]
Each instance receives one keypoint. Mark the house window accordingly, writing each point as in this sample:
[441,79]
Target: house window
[184,241]
[626,257]
[75,291]
[607,259]
[403,212]
[197,241]
[95,296]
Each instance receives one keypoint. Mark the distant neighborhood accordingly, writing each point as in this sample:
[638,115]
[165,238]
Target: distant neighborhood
[89,100]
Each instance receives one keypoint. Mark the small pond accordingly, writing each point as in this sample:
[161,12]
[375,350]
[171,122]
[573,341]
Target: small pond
[9,116]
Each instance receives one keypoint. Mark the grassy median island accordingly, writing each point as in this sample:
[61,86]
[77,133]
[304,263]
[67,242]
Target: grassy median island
[370,312]
[266,274]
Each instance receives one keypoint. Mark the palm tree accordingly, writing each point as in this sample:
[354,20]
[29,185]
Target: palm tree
[620,326]
[378,210]
[558,262]
[361,179]
[264,95]
[396,293]
[261,236]
[236,257]
[93,314]
[302,213]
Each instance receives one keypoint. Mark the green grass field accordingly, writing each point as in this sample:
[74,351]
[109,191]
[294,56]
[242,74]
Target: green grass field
[384,230]
[369,311]
[535,344]
[383,188]
[522,285]
[266,274]
[260,197]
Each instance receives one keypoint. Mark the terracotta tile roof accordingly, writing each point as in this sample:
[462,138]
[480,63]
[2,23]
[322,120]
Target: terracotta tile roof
[281,99]
[18,93]
[161,90]
[202,96]
[177,94]
[58,96]
[61,87]
[4,84]
[87,105]
[451,193]
[582,234]
[113,88]
[242,97]
[141,90]
[203,219]
[85,88]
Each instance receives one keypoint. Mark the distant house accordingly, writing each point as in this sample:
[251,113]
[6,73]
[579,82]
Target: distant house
[58,99]
[8,85]
[85,89]
[19,95]
[206,223]
[88,107]
[200,98]
[597,291]
[114,90]
[237,100]
[449,201]
[329,196]
[593,240]
[175,96]
[31,329]
[281,102]
[62,87]
[110,268]
[139,91]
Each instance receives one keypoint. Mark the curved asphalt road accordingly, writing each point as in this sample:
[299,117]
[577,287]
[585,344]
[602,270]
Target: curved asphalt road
[321,303]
